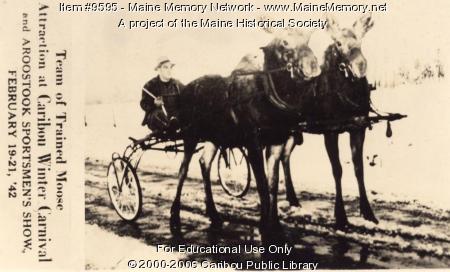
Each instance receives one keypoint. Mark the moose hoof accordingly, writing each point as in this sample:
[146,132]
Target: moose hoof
[341,224]
[370,217]
[216,222]
[175,225]
[367,212]
[277,234]
[276,227]
[294,203]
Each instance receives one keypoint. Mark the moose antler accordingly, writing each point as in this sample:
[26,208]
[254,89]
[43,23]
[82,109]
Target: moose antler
[363,25]
[267,29]
[332,25]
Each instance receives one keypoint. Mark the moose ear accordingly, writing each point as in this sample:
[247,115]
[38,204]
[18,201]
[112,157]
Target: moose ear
[307,35]
[266,29]
[363,25]
[332,26]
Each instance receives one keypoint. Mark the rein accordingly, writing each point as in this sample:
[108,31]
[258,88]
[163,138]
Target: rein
[271,71]
[270,89]
[275,99]
[289,68]
[345,68]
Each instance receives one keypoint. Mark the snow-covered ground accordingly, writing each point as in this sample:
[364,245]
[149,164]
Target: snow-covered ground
[113,246]
[408,235]
[410,165]
[409,171]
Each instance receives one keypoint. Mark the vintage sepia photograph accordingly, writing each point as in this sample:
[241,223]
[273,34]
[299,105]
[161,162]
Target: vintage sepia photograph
[258,135]
[271,147]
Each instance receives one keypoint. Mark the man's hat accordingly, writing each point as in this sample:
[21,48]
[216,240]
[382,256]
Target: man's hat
[162,60]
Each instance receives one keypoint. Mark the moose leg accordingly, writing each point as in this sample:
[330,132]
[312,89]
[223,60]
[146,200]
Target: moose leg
[331,144]
[255,156]
[209,152]
[273,156]
[357,144]
[189,148]
[286,162]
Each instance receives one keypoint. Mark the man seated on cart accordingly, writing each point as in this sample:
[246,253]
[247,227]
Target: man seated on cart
[160,99]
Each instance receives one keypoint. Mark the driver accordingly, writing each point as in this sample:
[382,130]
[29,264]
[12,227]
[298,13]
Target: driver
[160,98]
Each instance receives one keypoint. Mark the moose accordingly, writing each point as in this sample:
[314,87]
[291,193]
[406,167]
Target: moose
[239,111]
[340,92]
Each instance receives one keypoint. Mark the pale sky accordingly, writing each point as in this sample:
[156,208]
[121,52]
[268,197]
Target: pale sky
[121,61]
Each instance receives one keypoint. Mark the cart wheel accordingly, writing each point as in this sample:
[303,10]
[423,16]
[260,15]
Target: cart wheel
[124,189]
[233,170]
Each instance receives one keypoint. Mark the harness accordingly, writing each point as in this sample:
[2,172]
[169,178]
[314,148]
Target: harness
[269,87]
[345,68]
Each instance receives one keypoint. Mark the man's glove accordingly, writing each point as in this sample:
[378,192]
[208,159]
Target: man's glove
[158,101]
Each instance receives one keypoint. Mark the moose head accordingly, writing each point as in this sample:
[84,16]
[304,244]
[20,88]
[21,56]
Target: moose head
[289,49]
[347,43]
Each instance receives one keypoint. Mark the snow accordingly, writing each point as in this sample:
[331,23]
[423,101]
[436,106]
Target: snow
[410,165]
[118,250]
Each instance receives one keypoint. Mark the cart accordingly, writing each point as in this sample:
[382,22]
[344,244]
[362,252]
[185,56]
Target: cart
[233,167]
[123,182]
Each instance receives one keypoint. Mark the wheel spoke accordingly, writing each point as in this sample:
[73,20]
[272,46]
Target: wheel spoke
[132,210]
[234,171]
[242,157]
[234,158]
[124,189]
[115,190]
[117,177]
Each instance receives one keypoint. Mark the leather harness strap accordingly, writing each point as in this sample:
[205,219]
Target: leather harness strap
[269,88]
